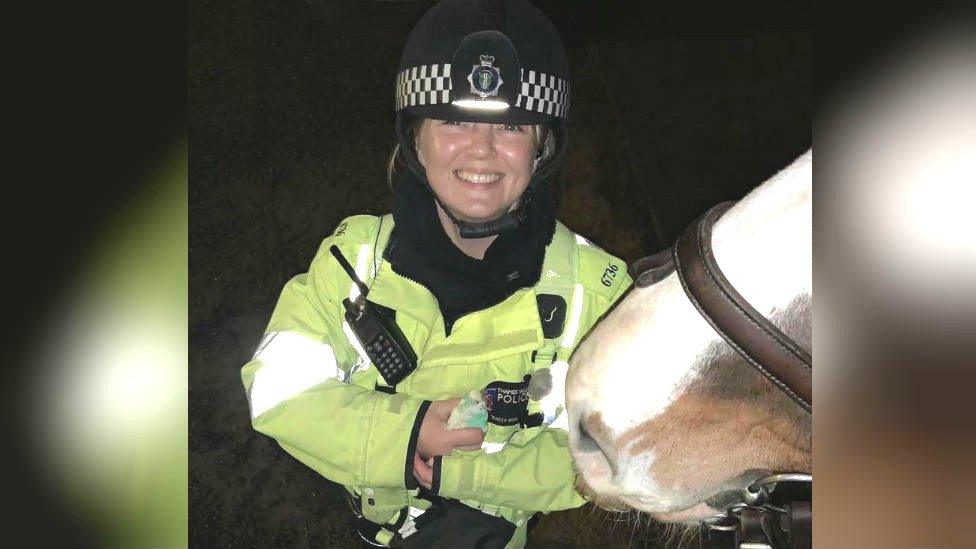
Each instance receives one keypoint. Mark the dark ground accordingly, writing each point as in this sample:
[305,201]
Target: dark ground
[291,114]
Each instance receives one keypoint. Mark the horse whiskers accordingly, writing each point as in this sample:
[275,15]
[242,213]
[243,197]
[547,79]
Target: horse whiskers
[633,530]
[676,536]
[645,531]
[663,535]
[633,518]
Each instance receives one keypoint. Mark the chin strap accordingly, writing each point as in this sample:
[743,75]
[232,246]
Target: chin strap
[505,223]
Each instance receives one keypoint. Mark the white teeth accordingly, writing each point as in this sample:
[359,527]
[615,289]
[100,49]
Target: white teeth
[472,177]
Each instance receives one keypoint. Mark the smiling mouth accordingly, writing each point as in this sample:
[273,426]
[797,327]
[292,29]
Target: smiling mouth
[477,178]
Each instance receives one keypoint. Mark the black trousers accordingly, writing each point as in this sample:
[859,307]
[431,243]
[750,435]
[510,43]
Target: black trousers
[450,523]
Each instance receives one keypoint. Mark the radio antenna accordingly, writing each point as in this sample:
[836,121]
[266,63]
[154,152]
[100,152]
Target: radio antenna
[363,290]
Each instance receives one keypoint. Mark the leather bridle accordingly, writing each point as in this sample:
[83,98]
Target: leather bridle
[756,521]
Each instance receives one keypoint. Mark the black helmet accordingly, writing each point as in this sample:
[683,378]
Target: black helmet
[492,61]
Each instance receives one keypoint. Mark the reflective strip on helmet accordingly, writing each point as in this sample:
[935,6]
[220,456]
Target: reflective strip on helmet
[291,363]
[574,317]
[492,447]
[554,404]
[481,105]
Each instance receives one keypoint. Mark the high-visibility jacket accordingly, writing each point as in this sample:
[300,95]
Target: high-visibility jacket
[312,388]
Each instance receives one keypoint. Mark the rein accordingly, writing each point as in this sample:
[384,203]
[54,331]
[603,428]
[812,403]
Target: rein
[756,521]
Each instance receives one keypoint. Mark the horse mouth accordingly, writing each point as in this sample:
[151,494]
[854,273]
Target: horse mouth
[716,505]
[709,508]
[692,515]
[696,510]
[609,503]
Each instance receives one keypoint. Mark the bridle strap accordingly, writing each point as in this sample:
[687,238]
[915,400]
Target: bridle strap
[801,524]
[763,345]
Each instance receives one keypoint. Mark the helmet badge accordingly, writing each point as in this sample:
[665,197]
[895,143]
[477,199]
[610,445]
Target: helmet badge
[484,78]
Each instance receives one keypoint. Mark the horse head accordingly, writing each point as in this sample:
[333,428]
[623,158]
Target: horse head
[665,417]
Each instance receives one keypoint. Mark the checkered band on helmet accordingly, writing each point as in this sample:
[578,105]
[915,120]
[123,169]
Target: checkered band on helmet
[423,85]
[431,85]
[543,93]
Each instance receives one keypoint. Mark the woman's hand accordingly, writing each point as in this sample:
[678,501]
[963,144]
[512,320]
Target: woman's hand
[436,439]
[423,471]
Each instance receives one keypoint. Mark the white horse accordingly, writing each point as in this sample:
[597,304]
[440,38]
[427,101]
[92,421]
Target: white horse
[664,415]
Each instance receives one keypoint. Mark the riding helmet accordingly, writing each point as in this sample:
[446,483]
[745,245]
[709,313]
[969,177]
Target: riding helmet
[490,61]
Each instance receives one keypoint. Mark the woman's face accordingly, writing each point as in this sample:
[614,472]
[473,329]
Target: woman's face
[477,170]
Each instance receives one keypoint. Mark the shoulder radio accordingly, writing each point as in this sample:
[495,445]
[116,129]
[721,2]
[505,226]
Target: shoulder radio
[378,333]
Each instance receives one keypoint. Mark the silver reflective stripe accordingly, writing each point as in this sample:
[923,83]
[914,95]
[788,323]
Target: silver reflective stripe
[554,404]
[363,361]
[362,264]
[409,526]
[572,329]
[290,364]
[492,447]
[582,241]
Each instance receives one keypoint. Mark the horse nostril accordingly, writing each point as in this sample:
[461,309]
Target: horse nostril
[597,448]
[586,444]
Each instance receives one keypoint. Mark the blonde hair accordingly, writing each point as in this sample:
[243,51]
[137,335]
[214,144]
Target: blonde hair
[545,147]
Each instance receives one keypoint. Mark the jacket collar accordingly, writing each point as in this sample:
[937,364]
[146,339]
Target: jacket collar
[511,327]
[421,252]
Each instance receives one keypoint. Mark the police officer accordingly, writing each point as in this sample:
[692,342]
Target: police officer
[470,284]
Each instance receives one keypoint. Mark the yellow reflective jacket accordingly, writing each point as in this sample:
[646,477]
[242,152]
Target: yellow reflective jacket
[311,389]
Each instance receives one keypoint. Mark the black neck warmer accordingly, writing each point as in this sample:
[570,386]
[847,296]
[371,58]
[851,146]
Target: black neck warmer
[420,250]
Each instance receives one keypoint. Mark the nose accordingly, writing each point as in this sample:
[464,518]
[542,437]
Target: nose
[482,141]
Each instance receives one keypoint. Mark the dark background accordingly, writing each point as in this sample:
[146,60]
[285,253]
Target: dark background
[674,108]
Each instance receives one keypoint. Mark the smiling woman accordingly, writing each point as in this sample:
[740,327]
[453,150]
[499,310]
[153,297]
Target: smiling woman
[478,172]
